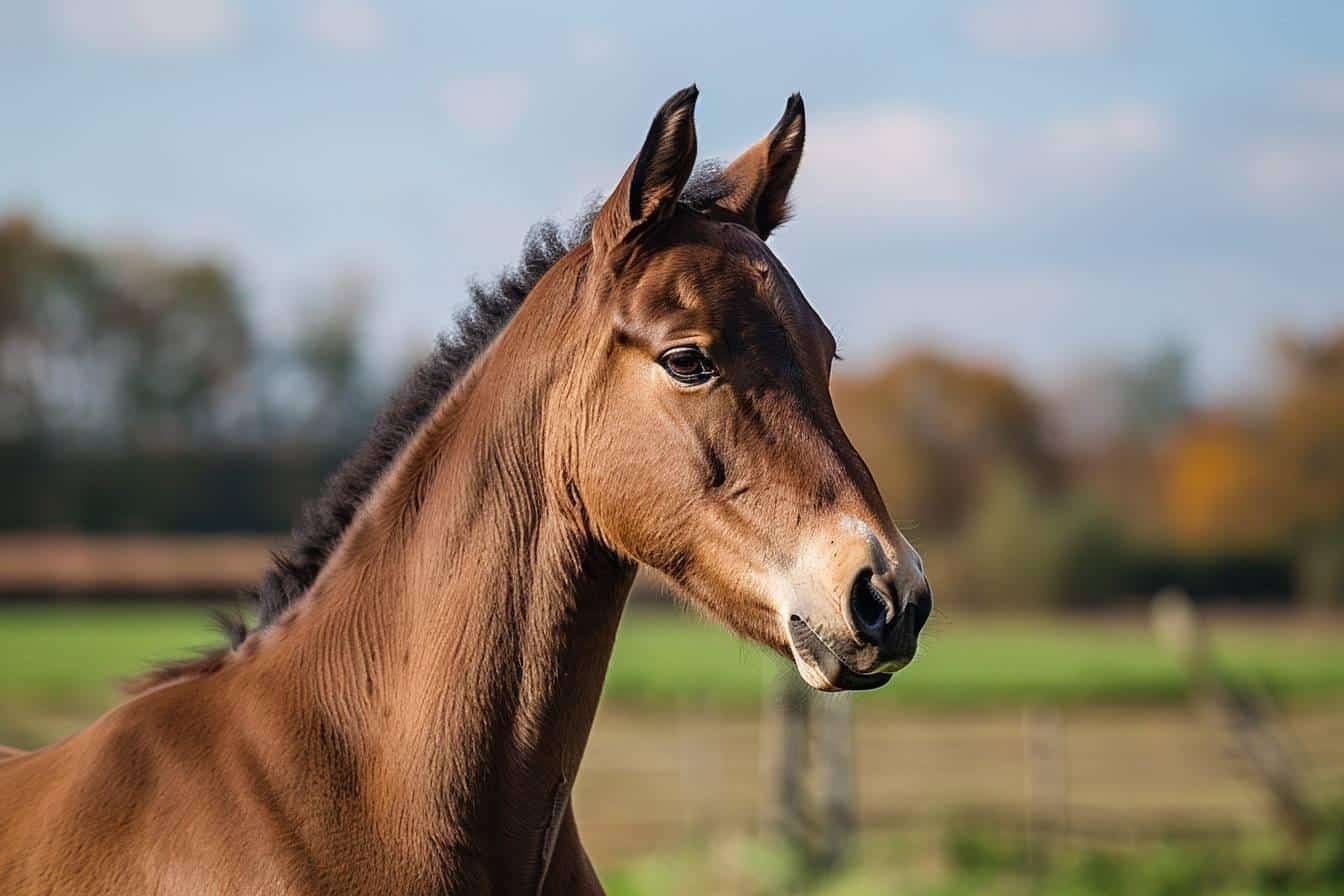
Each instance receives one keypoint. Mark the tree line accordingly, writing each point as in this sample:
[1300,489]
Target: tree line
[137,394]
[1119,485]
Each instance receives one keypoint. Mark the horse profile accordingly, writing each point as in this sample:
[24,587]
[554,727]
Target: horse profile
[410,710]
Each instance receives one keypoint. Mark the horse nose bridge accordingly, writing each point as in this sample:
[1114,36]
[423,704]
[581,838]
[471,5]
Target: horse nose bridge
[834,475]
[858,494]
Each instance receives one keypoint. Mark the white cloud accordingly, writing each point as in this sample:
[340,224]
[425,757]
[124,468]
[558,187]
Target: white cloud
[1042,27]
[344,24]
[904,161]
[487,107]
[1293,174]
[895,160]
[1105,146]
[146,25]
[1322,93]
[592,47]
[1298,167]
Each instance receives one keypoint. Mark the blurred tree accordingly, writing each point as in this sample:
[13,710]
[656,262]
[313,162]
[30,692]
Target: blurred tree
[50,299]
[125,347]
[1157,390]
[1024,548]
[1214,489]
[1272,475]
[1306,459]
[1111,421]
[932,428]
[134,395]
[1130,402]
[1307,449]
[191,346]
[326,352]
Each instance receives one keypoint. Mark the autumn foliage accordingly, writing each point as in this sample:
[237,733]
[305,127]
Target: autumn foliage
[1024,507]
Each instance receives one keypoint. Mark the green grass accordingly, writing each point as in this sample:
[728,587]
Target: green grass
[69,658]
[976,860]
[979,662]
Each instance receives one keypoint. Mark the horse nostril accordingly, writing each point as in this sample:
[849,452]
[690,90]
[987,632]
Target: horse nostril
[918,605]
[869,608]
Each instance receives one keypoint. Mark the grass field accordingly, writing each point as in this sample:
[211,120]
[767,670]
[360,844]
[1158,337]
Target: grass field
[672,788]
[975,860]
[69,658]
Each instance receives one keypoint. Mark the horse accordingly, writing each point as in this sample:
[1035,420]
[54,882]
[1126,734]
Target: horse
[409,711]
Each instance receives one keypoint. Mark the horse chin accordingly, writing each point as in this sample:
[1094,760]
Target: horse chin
[821,668]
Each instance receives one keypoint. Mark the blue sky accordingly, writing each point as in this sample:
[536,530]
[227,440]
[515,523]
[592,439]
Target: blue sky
[1044,182]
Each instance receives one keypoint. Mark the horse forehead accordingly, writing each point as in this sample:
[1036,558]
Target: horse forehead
[736,278]
[768,295]
[719,276]
[767,278]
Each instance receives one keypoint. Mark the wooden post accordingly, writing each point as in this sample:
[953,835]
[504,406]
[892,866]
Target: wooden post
[815,738]
[1045,783]
[1242,714]
[789,810]
[834,741]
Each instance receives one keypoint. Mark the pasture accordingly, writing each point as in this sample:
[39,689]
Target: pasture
[66,660]
[679,746]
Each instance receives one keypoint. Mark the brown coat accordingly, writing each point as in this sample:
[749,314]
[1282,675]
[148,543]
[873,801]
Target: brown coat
[413,722]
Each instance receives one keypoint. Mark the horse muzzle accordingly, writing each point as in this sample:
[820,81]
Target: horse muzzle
[855,633]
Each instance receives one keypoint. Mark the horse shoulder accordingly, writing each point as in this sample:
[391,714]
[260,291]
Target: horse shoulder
[136,785]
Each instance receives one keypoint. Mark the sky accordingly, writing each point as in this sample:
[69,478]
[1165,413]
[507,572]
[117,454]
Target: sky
[1043,183]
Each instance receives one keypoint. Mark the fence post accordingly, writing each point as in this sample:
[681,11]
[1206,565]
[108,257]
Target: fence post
[1045,783]
[815,738]
[1242,714]
[788,816]
[834,738]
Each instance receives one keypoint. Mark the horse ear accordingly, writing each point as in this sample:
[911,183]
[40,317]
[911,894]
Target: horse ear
[648,192]
[760,178]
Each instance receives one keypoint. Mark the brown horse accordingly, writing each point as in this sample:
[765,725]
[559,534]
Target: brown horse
[410,713]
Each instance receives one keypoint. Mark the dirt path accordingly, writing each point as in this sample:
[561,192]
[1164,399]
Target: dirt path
[651,779]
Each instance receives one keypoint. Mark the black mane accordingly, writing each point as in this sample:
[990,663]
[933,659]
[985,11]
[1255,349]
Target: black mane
[492,304]
[322,522]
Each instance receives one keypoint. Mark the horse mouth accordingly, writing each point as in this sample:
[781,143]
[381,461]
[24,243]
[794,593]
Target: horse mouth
[829,672]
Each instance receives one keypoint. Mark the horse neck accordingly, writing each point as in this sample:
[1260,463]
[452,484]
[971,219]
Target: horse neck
[459,637]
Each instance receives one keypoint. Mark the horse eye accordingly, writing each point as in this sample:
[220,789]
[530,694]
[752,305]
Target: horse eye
[688,366]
